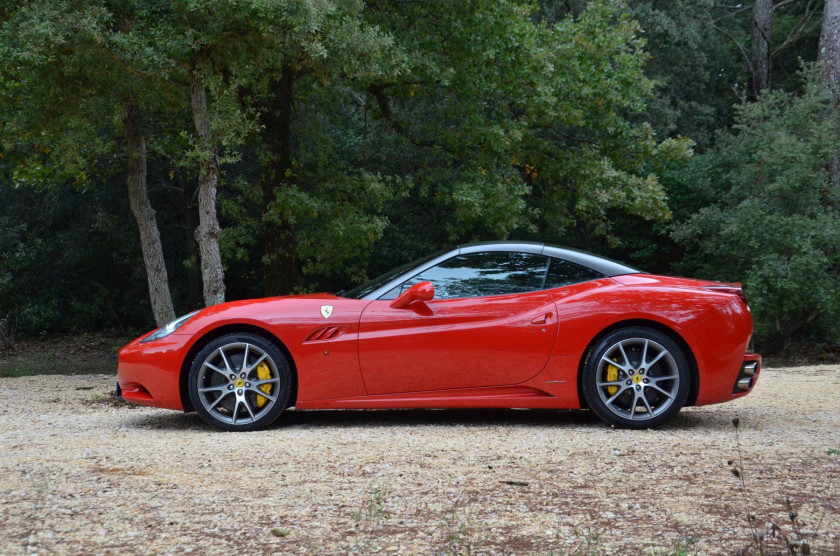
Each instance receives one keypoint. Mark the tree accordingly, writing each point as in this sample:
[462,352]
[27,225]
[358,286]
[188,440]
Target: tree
[515,124]
[63,85]
[138,197]
[762,42]
[208,232]
[829,48]
[829,58]
[769,216]
[795,20]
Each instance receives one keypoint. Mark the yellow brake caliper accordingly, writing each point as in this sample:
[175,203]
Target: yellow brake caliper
[612,376]
[264,373]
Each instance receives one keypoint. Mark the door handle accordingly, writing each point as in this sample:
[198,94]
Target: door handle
[542,319]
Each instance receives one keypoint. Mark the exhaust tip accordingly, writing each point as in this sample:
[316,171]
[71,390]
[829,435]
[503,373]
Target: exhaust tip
[745,383]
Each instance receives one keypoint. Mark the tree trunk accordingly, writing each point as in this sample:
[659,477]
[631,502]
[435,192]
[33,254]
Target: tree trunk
[138,196]
[207,233]
[762,37]
[829,58]
[279,265]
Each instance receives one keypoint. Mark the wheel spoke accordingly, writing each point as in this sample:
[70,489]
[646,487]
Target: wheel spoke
[654,386]
[266,381]
[609,361]
[613,383]
[213,389]
[635,402]
[627,363]
[248,407]
[235,410]
[658,379]
[257,362]
[647,405]
[644,353]
[213,367]
[245,357]
[217,400]
[617,394]
[225,359]
[657,358]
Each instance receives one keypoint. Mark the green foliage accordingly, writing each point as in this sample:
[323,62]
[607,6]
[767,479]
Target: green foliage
[515,125]
[770,216]
[412,126]
[692,64]
[68,262]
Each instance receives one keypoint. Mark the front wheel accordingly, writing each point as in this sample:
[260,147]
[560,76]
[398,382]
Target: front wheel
[240,382]
[636,378]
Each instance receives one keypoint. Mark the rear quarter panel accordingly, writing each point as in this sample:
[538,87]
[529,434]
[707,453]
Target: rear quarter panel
[585,310]
[716,326]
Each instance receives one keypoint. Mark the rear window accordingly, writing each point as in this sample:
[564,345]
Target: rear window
[563,273]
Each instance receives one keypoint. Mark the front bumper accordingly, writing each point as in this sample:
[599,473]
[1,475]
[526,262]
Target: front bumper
[149,373]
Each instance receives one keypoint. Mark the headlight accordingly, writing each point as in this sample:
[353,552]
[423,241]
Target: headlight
[168,329]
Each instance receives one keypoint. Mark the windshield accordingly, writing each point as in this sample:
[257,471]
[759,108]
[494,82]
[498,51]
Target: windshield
[360,291]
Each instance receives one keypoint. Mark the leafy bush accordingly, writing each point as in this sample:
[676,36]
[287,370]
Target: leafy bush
[771,216]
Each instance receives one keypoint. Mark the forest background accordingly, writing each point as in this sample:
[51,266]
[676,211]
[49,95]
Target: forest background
[158,156]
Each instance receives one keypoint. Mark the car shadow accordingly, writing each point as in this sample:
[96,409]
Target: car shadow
[474,417]
[382,418]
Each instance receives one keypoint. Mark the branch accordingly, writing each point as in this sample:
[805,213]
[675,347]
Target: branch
[799,30]
[733,11]
[119,61]
[780,4]
[741,48]
[385,107]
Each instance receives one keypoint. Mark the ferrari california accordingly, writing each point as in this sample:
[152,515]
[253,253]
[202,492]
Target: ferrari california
[502,325]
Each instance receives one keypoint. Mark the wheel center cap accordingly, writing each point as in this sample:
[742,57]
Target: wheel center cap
[239,383]
[637,379]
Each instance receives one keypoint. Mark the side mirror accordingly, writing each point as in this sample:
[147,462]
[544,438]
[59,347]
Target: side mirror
[421,291]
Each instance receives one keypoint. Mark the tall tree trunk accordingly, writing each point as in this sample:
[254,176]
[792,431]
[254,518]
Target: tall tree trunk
[138,197]
[762,37]
[207,233]
[829,58]
[279,266]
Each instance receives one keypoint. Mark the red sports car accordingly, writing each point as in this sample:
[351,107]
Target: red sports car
[503,324]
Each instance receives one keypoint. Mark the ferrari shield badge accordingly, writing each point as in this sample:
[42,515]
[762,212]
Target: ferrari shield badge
[326,311]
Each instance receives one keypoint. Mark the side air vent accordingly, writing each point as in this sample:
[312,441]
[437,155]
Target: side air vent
[327,333]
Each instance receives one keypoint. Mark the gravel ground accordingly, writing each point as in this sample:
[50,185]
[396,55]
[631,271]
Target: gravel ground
[80,473]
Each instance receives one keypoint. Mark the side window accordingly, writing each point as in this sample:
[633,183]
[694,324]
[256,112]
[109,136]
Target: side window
[563,273]
[482,274]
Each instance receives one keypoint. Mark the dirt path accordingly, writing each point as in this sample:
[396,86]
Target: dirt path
[80,474]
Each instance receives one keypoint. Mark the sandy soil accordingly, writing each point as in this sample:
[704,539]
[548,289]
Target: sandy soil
[82,474]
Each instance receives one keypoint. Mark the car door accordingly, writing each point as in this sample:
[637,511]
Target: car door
[489,324]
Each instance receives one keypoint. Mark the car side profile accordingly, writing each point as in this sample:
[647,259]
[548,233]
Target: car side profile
[501,324]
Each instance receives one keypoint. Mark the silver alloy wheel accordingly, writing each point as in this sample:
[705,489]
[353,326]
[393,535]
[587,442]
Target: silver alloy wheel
[229,386]
[647,380]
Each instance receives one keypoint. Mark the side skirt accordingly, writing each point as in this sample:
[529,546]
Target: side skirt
[499,397]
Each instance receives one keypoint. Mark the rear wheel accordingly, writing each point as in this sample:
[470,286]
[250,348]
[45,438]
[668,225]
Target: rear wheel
[240,382]
[636,378]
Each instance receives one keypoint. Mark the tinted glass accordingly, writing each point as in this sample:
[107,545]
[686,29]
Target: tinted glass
[482,274]
[563,273]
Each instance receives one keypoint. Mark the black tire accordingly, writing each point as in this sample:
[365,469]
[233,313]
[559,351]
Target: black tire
[226,388]
[639,394]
